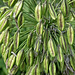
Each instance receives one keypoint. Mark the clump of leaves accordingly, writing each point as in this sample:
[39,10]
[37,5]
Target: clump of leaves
[37,36]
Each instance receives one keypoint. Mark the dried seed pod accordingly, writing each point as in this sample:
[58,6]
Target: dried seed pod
[22,66]
[38,45]
[1,36]
[46,64]
[5,55]
[3,49]
[62,65]
[11,48]
[60,55]
[72,51]
[35,70]
[3,9]
[39,28]
[30,58]
[72,62]
[20,57]
[43,8]
[51,48]
[13,70]
[20,19]
[52,68]
[16,41]
[60,21]
[71,18]
[17,9]
[45,39]
[11,2]
[70,35]
[66,44]
[30,69]
[6,14]
[11,61]
[3,23]
[52,11]
[64,7]
[30,40]
[38,12]
[6,37]
[62,41]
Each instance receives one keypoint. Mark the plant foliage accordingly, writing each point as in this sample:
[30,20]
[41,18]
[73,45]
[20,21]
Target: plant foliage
[37,37]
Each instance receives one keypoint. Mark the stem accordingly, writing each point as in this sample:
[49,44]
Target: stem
[21,25]
[71,2]
[16,23]
[67,64]
[53,2]
[25,32]
[23,38]
[22,44]
[58,5]
[71,51]
[68,23]
[13,54]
